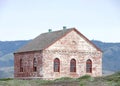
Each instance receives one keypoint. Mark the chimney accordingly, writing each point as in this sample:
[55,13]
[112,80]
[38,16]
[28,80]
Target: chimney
[50,30]
[64,27]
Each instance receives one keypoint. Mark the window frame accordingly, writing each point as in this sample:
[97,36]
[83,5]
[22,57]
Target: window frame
[72,65]
[89,66]
[21,65]
[35,65]
[56,65]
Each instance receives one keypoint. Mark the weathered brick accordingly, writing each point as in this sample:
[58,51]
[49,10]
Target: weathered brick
[70,46]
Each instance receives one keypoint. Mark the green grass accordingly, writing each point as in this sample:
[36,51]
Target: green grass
[85,77]
[6,79]
[86,80]
[64,79]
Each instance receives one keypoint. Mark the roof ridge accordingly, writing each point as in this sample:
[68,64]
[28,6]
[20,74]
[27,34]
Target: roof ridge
[57,30]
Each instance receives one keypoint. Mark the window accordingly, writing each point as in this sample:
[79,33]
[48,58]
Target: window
[89,66]
[74,42]
[34,65]
[21,65]
[73,65]
[56,65]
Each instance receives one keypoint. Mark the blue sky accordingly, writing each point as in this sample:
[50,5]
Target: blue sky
[26,19]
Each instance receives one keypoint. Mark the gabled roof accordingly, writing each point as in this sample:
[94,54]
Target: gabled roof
[46,39]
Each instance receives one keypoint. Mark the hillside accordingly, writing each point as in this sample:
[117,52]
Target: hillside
[111,56]
[7,47]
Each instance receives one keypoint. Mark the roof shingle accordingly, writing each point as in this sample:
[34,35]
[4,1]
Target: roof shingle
[43,40]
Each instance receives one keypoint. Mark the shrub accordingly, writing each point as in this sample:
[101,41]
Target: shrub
[85,77]
[64,79]
[115,77]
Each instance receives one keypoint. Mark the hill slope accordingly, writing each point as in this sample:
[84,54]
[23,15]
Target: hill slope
[111,55]
[7,47]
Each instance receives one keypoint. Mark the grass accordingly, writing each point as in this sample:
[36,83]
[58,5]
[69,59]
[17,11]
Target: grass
[6,79]
[86,80]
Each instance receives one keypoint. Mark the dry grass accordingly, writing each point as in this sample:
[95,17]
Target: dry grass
[111,80]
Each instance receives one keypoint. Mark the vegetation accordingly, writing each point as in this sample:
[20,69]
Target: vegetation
[111,80]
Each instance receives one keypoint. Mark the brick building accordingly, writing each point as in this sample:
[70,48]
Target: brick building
[55,54]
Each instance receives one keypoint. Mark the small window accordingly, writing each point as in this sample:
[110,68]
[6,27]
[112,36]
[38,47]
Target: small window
[89,66]
[21,65]
[73,65]
[34,65]
[56,65]
[74,42]
[35,69]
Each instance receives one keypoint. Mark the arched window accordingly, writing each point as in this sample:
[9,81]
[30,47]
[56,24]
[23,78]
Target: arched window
[34,64]
[89,66]
[21,65]
[73,65]
[56,65]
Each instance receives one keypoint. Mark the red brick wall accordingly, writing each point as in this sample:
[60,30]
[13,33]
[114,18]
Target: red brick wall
[27,64]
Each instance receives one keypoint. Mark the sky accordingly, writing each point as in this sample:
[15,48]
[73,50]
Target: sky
[26,19]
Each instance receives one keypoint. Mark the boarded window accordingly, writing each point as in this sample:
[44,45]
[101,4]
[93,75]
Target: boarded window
[89,66]
[34,64]
[56,65]
[73,65]
[21,65]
